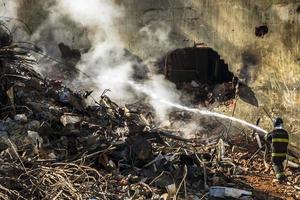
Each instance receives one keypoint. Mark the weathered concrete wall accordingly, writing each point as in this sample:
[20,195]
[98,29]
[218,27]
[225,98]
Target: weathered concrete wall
[269,64]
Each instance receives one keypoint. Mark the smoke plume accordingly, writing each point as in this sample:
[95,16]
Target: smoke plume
[106,61]
[92,27]
[8,9]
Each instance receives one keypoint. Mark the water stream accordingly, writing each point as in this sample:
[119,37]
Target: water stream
[147,91]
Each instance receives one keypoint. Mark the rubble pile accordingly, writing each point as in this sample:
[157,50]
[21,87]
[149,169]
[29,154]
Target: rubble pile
[55,146]
[207,95]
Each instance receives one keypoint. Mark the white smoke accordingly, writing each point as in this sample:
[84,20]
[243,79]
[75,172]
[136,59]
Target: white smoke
[106,62]
[188,129]
[155,36]
[8,9]
[165,89]
[8,17]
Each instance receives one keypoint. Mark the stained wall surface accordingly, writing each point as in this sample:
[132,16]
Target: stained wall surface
[269,64]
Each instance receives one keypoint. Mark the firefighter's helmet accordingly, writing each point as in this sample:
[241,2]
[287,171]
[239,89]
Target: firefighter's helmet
[278,122]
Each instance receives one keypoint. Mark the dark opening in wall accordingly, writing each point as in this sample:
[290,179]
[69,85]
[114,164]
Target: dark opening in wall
[260,31]
[201,72]
[298,9]
[199,64]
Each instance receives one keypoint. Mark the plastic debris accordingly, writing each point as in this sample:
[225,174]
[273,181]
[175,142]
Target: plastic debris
[68,119]
[35,138]
[21,118]
[64,95]
[223,192]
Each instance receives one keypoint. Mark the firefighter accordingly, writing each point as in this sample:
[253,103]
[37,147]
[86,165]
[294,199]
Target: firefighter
[279,139]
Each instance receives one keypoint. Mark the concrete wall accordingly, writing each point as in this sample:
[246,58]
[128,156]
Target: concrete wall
[270,65]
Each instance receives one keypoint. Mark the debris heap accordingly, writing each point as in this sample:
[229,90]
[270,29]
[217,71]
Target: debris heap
[55,146]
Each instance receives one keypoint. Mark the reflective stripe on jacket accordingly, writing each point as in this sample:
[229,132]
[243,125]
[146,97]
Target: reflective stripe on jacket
[280,141]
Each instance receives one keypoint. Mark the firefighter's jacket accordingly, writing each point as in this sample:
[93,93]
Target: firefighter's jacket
[279,139]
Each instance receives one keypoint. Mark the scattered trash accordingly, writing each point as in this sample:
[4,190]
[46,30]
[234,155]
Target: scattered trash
[35,138]
[69,119]
[194,84]
[258,140]
[171,189]
[292,164]
[64,95]
[21,118]
[223,192]
[34,125]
